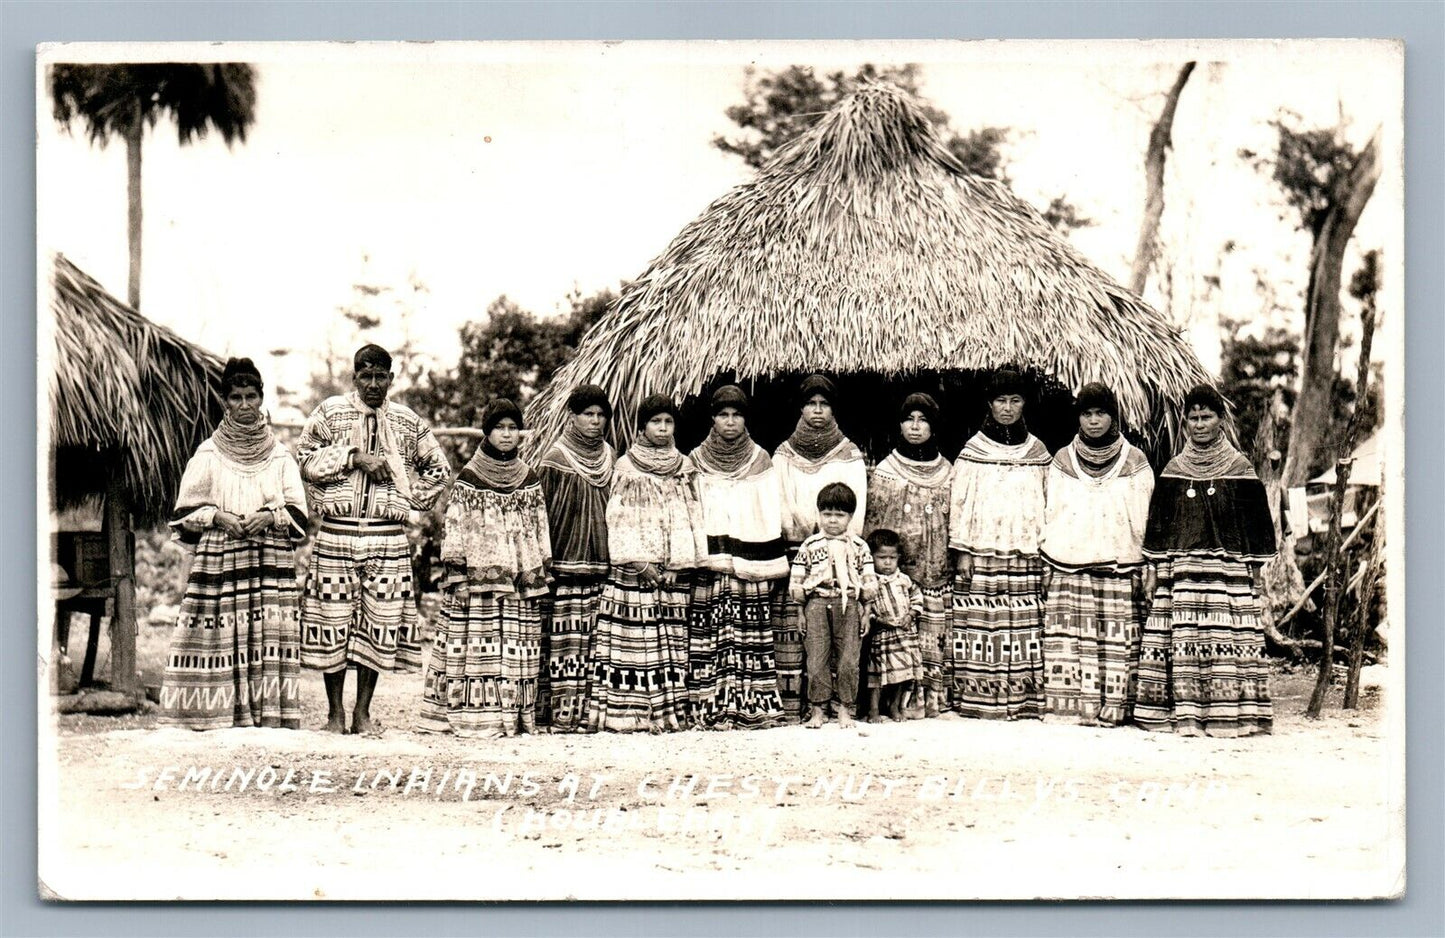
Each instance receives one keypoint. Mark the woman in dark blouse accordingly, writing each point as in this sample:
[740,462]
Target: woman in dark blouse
[576,474]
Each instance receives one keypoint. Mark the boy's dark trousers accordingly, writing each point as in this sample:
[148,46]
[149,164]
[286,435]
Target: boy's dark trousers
[831,641]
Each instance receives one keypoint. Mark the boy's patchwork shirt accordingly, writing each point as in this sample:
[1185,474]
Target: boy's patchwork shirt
[834,566]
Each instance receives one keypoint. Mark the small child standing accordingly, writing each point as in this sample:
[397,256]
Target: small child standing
[894,659]
[832,577]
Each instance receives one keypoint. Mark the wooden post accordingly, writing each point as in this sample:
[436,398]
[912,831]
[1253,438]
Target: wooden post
[1360,528]
[1363,625]
[122,576]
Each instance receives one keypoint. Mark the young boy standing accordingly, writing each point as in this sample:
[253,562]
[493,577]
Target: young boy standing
[832,577]
[894,664]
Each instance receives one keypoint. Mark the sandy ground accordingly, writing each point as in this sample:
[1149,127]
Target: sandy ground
[945,808]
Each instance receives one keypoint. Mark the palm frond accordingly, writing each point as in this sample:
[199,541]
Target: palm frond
[109,98]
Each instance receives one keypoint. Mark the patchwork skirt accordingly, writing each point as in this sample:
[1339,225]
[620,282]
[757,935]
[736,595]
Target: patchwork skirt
[569,637]
[732,671]
[997,620]
[787,622]
[893,656]
[935,641]
[358,608]
[1091,647]
[1202,666]
[486,657]
[235,653]
[639,669]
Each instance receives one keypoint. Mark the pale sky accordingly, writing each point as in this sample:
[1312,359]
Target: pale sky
[526,169]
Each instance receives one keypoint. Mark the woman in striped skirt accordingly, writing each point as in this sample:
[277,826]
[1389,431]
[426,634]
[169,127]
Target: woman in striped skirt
[995,513]
[1203,668]
[235,654]
[1098,501]
[732,671]
[486,656]
[909,493]
[655,541]
[576,475]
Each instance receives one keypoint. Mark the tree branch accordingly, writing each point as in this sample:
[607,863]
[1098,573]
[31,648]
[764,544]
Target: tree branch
[1360,527]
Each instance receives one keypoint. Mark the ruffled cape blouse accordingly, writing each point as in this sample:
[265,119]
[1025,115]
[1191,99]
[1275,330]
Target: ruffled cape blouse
[912,498]
[1096,522]
[655,519]
[1226,516]
[212,482]
[576,511]
[742,517]
[501,539]
[997,504]
[802,479]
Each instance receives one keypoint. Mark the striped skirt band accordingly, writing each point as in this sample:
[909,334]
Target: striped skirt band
[1202,667]
[935,641]
[481,678]
[787,622]
[639,670]
[732,671]
[358,607]
[997,620]
[235,657]
[568,639]
[893,656]
[1091,647]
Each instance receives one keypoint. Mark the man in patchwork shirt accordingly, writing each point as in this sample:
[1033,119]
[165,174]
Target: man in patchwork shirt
[368,463]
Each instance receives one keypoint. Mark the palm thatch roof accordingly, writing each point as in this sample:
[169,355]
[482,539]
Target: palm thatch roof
[126,395]
[864,247]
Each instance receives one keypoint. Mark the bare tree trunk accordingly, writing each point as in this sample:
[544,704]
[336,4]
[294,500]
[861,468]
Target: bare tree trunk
[1160,140]
[1334,555]
[133,195]
[1322,311]
[122,575]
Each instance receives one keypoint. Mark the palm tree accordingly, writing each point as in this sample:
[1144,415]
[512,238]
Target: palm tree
[123,100]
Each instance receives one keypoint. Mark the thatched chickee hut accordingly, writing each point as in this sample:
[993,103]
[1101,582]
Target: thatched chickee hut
[863,250]
[129,403]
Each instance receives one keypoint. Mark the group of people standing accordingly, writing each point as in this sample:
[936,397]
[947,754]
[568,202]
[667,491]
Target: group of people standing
[659,591]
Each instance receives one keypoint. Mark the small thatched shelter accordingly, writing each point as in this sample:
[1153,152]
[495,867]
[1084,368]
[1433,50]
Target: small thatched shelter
[864,250]
[127,397]
[129,403]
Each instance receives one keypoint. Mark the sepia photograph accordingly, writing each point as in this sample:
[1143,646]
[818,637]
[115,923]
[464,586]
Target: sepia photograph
[778,470]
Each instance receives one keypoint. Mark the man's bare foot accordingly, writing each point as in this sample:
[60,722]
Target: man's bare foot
[336,723]
[815,718]
[362,725]
[845,718]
